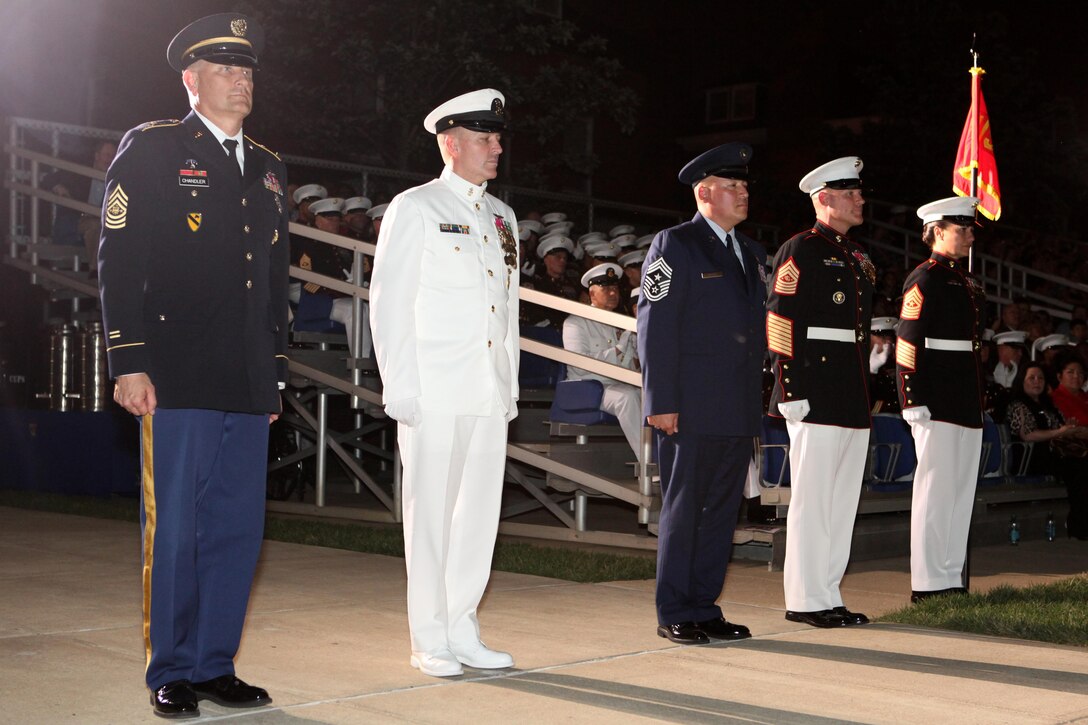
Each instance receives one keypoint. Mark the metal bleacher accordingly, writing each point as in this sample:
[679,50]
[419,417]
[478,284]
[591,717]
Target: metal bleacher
[567,478]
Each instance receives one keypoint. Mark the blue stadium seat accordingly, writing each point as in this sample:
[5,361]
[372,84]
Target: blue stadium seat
[579,402]
[312,314]
[892,458]
[774,448]
[535,371]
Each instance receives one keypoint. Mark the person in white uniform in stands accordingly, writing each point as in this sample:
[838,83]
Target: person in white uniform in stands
[608,344]
[444,316]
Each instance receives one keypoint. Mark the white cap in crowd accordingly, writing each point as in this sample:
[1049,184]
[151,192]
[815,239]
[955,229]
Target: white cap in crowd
[310,191]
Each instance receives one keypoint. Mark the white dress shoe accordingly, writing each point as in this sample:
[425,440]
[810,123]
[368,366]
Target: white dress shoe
[437,664]
[481,657]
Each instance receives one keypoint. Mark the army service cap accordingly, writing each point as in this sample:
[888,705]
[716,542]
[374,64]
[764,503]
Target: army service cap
[481,111]
[843,173]
[728,161]
[225,38]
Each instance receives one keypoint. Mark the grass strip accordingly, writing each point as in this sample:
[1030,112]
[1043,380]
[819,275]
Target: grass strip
[565,563]
[1053,612]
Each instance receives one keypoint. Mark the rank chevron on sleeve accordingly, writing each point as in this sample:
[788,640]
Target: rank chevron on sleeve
[657,279]
[117,209]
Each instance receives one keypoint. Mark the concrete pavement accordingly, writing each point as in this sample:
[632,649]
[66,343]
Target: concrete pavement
[327,635]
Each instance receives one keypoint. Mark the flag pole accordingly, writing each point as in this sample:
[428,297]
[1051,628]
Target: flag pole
[975,73]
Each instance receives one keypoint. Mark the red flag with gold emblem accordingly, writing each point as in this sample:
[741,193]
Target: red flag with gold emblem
[976,155]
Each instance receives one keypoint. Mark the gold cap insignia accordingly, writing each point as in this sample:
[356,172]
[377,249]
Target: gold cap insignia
[496,107]
[238,27]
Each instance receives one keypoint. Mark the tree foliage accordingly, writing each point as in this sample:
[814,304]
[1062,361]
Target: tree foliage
[353,81]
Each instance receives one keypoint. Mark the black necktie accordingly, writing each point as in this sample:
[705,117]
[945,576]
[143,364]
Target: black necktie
[734,247]
[232,151]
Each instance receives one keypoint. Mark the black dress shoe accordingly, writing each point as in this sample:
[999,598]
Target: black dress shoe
[682,633]
[851,618]
[175,700]
[229,691]
[720,628]
[825,618]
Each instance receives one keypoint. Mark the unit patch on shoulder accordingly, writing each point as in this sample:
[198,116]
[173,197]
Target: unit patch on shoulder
[786,278]
[905,354]
[912,304]
[117,209]
[780,334]
[657,280]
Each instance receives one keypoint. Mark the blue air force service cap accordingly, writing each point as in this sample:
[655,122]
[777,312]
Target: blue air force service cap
[729,161]
[226,38]
[481,110]
[844,173]
[606,274]
[956,209]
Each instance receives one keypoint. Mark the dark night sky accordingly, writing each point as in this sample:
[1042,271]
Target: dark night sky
[102,62]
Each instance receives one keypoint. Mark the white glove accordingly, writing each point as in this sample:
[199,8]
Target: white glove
[794,411]
[878,355]
[528,269]
[407,411]
[920,414]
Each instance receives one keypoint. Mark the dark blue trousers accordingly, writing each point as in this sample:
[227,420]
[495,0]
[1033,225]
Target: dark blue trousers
[203,489]
[702,479]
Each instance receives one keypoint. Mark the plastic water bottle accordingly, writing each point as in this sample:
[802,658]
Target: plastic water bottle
[1051,527]
[1014,532]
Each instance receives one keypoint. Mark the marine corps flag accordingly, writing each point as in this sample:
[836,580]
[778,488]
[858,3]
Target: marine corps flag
[975,173]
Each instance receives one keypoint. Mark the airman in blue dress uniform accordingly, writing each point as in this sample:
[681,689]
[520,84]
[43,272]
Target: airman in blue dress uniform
[701,344]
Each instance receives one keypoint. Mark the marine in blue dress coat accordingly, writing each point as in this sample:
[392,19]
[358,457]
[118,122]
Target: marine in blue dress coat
[701,342]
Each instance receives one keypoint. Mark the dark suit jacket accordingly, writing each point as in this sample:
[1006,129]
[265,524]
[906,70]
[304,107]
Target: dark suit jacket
[193,268]
[700,330]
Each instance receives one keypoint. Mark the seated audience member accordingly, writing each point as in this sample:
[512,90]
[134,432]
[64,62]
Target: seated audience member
[70,226]
[1078,331]
[611,345]
[335,262]
[883,392]
[1049,349]
[1010,351]
[632,272]
[356,224]
[1012,317]
[1061,443]
[376,213]
[304,197]
[554,253]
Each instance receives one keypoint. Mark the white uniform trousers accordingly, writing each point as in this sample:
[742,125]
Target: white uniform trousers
[341,312]
[625,402]
[940,511]
[827,464]
[453,473]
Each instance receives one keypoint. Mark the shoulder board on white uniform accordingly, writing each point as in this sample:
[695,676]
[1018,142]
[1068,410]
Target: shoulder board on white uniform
[165,123]
[262,147]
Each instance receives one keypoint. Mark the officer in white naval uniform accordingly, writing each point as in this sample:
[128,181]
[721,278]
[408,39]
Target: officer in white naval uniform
[607,344]
[444,316]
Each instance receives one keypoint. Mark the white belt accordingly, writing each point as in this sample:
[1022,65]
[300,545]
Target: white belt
[834,334]
[936,343]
